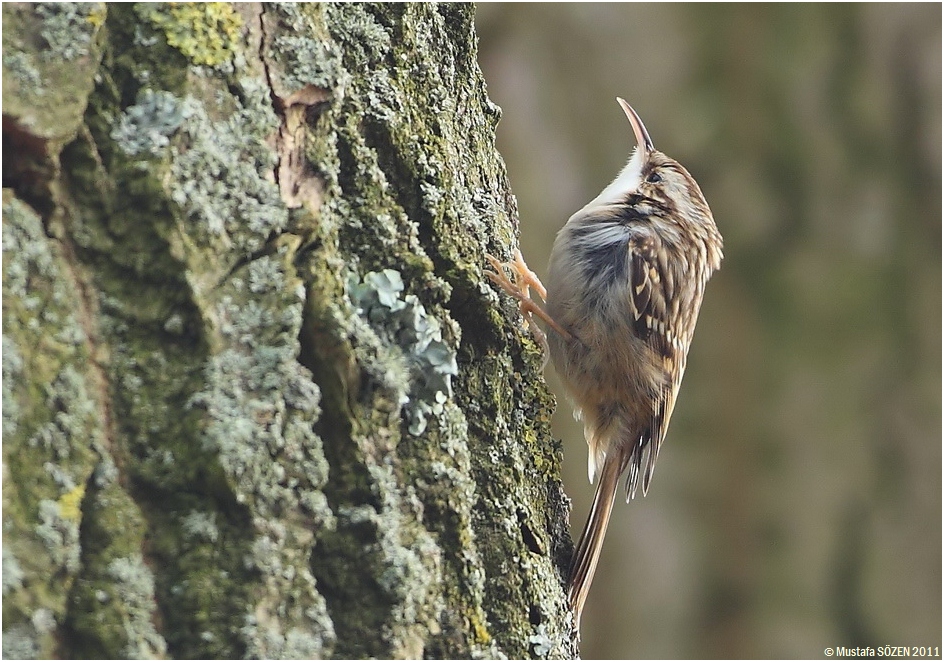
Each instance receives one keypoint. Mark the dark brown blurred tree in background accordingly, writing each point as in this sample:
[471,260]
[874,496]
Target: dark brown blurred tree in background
[797,503]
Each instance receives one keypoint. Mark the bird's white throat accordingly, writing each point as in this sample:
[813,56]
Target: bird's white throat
[626,183]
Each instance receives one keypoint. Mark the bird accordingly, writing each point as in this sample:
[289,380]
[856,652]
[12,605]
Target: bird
[625,282]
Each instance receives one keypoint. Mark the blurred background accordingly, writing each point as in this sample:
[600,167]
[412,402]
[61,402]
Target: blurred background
[797,500]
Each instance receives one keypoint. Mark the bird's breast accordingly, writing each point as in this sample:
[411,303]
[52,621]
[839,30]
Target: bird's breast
[588,275]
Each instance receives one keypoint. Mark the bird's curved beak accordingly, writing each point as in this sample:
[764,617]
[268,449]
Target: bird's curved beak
[643,141]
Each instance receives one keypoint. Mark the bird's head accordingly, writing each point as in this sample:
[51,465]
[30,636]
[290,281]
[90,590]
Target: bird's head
[652,184]
[651,175]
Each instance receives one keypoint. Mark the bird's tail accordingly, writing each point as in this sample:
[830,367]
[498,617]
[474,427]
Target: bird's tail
[591,540]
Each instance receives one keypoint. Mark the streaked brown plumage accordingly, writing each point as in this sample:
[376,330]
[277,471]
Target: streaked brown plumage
[625,283]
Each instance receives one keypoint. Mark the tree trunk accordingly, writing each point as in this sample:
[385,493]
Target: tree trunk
[257,399]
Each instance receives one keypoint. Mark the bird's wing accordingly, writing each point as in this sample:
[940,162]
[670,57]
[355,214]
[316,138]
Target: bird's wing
[655,305]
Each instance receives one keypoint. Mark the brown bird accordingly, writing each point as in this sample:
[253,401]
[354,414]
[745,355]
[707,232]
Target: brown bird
[625,283]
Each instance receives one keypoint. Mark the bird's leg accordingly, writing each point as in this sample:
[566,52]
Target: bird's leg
[519,286]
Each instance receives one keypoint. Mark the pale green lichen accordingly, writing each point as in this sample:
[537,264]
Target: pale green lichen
[301,57]
[43,620]
[145,128]
[20,643]
[262,401]
[409,562]
[134,586]
[403,320]
[59,534]
[260,405]
[68,398]
[20,65]
[219,180]
[206,33]
[12,369]
[23,240]
[106,473]
[218,171]
[51,423]
[366,40]
[295,644]
[200,525]
[68,27]
[290,620]
[174,324]
[541,643]
[50,54]
[13,574]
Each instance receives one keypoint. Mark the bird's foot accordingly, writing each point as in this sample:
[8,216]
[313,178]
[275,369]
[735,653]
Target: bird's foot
[519,286]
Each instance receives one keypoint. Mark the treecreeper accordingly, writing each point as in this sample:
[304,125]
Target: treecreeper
[625,282]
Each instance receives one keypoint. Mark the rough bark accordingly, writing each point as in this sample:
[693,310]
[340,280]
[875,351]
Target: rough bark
[257,400]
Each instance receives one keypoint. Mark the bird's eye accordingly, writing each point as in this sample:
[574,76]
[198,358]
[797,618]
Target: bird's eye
[654,178]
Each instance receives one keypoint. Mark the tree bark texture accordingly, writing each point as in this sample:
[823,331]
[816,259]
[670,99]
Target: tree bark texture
[257,399]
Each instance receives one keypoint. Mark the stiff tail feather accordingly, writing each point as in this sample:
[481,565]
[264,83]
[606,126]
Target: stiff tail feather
[591,540]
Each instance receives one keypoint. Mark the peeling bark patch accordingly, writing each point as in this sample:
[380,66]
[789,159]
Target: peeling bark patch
[298,184]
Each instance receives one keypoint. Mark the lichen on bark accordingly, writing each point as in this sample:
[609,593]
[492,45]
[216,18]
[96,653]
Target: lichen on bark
[313,430]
